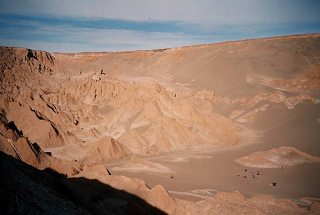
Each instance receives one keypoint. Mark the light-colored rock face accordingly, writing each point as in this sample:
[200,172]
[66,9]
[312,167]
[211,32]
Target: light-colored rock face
[93,108]
[75,110]
[277,158]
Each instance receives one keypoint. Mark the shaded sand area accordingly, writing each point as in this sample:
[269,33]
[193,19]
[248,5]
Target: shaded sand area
[200,173]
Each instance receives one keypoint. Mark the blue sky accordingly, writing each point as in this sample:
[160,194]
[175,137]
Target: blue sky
[119,25]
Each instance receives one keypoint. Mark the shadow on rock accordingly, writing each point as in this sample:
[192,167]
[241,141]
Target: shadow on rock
[27,190]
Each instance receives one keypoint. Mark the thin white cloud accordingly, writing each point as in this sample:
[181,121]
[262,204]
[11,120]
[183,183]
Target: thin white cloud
[214,12]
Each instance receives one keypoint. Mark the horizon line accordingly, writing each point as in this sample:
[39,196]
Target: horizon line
[174,47]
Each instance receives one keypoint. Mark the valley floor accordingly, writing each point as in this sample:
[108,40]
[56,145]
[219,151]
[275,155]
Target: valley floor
[199,173]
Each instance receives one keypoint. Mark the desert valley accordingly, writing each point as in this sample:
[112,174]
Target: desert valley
[224,128]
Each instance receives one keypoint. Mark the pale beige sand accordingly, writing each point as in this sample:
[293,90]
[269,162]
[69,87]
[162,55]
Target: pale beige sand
[218,170]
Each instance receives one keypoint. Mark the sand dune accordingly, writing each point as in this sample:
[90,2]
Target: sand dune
[100,151]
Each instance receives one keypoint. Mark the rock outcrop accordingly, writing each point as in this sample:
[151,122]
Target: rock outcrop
[277,158]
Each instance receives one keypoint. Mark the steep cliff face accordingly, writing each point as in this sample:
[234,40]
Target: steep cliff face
[25,81]
[14,143]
